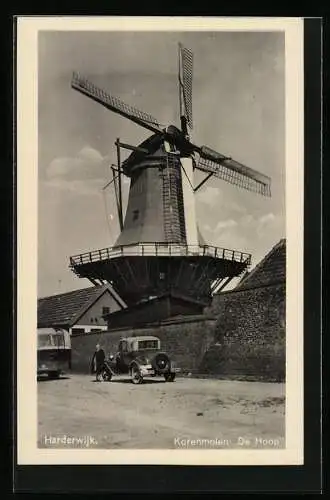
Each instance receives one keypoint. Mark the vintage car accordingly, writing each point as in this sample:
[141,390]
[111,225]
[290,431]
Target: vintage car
[140,357]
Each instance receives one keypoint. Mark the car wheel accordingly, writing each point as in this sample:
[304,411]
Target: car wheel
[169,377]
[53,375]
[136,376]
[162,362]
[107,376]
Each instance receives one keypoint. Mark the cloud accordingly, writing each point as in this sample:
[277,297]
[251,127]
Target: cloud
[91,187]
[90,154]
[210,195]
[83,173]
[225,224]
[221,225]
[247,220]
[237,234]
[266,223]
[207,227]
[86,164]
[265,219]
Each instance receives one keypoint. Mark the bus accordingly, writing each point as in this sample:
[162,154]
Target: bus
[53,352]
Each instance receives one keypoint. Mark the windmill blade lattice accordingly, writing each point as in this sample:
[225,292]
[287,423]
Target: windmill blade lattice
[235,173]
[185,77]
[113,103]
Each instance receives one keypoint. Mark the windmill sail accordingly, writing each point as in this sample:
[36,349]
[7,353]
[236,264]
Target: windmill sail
[116,105]
[185,83]
[233,172]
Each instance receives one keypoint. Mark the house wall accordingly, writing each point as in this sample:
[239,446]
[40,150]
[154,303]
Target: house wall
[93,316]
[249,334]
[186,340]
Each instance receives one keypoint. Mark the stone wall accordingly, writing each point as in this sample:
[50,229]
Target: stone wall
[249,334]
[185,339]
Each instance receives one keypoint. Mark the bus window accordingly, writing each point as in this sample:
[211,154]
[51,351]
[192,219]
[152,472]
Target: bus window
[45,340]
[59,340]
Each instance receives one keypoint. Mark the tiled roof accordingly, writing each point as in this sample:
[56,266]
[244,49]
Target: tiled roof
[271,269]
[66,308]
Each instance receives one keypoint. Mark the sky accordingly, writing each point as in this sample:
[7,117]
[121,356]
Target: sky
[238,110]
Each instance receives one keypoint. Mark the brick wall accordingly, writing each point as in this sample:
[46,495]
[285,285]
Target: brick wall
[185,339]
[249,334]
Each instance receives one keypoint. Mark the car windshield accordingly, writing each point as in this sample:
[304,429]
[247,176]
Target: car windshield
[148,344]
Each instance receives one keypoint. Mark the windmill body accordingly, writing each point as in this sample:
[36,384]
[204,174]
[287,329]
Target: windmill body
[160,251]
[161,201]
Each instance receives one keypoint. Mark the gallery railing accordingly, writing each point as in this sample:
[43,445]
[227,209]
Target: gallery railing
[159,250]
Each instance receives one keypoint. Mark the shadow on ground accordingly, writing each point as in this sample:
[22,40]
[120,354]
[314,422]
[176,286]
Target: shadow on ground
[50,379]
[128,381]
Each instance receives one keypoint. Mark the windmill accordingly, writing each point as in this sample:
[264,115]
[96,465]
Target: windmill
[160,251]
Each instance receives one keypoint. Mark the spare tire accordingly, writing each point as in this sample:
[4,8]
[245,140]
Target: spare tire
[161,362]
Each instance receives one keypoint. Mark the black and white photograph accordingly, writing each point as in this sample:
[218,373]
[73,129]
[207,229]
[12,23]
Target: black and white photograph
[160,200]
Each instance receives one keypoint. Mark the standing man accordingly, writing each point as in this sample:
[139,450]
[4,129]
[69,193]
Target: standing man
[97,362]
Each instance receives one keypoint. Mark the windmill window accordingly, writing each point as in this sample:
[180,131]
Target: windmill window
[161,276]
[136,214]
[105,310]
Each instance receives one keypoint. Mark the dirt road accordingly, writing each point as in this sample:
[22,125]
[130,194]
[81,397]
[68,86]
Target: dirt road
[78,412]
